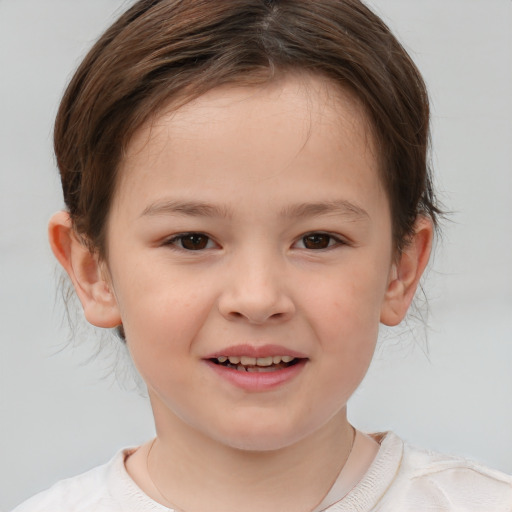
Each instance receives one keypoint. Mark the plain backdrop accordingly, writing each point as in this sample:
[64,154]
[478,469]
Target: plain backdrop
[447,387]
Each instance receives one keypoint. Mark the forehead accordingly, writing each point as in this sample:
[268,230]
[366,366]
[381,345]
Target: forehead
[294,97]
[297,129]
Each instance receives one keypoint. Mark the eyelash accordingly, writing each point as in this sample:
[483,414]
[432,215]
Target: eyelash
[174,242]
[177,241]
[333,240]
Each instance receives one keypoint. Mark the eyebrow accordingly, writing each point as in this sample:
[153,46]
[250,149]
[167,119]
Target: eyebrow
[185,208]
[199,209]
[338,207]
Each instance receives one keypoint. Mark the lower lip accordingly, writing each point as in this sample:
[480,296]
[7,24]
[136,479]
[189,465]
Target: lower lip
[258,381]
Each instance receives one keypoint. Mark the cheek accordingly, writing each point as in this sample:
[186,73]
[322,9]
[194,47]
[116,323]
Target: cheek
[346,304]
[343,311]
[161,313]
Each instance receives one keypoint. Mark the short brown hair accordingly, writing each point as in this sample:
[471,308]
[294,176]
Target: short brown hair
[161,49]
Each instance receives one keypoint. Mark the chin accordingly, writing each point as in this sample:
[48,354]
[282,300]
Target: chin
[259,437]
[260,444]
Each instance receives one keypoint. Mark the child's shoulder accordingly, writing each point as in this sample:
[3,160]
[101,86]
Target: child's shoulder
[449,483]
[403,478]
[96,489]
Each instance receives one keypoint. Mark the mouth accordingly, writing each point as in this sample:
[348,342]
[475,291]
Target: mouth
[256,364]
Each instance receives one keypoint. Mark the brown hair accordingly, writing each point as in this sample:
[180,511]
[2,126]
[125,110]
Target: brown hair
[160,50]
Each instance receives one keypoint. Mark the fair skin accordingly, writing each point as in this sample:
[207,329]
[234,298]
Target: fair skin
[250,223]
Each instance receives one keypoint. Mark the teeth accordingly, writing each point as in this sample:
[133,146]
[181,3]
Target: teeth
[264,361]
[242,361]
[266,370]
[260,369]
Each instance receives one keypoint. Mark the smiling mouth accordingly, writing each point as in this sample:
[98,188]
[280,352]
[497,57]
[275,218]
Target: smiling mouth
[256,364]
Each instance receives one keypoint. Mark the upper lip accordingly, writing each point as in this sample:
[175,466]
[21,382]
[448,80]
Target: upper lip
[256,351]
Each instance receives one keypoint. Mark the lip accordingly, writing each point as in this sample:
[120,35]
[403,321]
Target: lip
[256,351]
[258,381]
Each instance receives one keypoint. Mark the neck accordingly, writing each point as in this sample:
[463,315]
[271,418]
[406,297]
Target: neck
[296,477]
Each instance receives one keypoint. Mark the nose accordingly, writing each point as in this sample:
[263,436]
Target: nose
[254,291]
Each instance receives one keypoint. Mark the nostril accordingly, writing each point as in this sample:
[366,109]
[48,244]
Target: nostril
[257,318]
[255,307]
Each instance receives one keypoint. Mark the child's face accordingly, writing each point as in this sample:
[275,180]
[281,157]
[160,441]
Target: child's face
[252,222]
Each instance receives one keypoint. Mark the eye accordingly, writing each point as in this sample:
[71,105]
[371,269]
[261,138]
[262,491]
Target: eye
[318,241]
[191,241]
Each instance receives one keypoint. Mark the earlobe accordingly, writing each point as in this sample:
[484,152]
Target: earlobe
[85,271]
[406,273]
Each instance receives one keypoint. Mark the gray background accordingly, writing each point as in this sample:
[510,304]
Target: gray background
[62,409]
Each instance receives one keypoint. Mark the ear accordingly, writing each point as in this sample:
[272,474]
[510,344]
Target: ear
[88,275]
[406,273]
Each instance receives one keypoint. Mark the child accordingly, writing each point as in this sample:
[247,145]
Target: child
[248,199]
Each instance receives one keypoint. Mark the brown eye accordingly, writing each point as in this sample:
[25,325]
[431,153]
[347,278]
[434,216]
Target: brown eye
[193,241]
[317,241]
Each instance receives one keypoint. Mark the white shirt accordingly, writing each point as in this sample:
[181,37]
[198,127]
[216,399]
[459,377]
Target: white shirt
[400,479]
